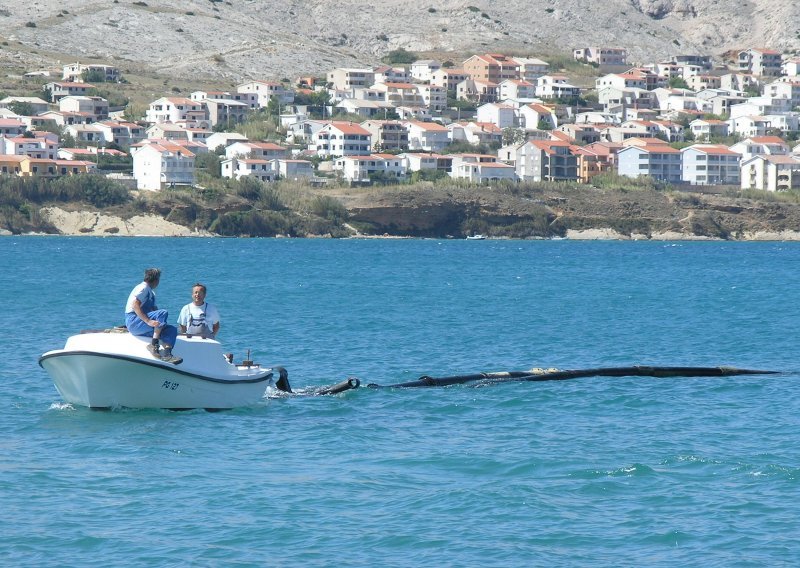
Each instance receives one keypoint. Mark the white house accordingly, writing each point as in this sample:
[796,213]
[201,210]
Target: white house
[120,132]
[342,139]
[364,108]
[389,74]
[477,90]
[87,133]
[555,86]
[261,150]
[225,111]
[656,159]
[303,131]
[749,126]
[361,168]
[265,90]
[783,90]
[791,67]
[595,117]
[546,160]
[428,161]
[67,118]
[483,171]
[74,72]
[433,97]
[44,145]
[771,173]
[532,116]
[759,106]
[293,169]
[345,78]
[503,116]
[157,166]
[11,126]
[423,69]
[176,109]
[60,89]
[738,81]
[97,107]
[762,62]
[167,131]
[531,68]
[721,104]
[257,168]
[449,78]
[761,146]
[705,129]
[619,81]
[787,122]
[710,164]
[516,89]
[214,141]
[601,55]
[429,136]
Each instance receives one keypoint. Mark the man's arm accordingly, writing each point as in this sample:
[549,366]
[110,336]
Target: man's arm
[137,308]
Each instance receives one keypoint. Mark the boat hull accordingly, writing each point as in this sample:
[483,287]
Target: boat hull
[122,374]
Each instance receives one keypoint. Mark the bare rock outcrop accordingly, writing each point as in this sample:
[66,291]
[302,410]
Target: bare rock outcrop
[233,41]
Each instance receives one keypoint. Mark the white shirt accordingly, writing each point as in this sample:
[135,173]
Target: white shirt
[141,292]
[204,314]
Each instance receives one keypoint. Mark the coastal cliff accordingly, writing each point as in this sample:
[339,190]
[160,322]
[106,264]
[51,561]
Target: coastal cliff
[456,211]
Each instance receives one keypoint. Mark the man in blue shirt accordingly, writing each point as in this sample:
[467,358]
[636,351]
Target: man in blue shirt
[143,318]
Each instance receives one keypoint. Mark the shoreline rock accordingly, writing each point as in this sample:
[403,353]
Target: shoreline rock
[93,224]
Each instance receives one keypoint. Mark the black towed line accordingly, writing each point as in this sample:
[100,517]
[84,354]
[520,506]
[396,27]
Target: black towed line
[540,375]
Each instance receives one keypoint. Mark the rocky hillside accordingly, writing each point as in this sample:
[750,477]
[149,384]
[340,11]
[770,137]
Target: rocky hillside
[241,39]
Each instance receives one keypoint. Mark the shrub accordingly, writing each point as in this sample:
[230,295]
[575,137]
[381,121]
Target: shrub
[95,189]
[400,56]
[252,223]
[328,208]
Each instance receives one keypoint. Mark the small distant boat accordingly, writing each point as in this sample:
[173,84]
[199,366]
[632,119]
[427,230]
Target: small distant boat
[112,368]
[476,237]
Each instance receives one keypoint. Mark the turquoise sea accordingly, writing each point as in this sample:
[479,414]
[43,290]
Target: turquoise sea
[605,471]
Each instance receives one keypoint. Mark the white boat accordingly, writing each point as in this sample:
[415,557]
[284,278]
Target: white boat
[475,237]
[112,368]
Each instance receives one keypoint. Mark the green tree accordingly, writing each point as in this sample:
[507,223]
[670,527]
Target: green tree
[400,56]
[209,163]
[93,76]
[21,108]
[678,83]
[513,136]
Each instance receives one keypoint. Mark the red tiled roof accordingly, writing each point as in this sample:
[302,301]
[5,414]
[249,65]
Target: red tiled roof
[715,149]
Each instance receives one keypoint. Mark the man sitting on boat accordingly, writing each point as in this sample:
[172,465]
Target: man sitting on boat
[143,318]
[199,317]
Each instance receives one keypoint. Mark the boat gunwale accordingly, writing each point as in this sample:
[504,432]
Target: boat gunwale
[159,365]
